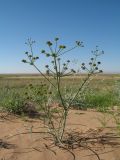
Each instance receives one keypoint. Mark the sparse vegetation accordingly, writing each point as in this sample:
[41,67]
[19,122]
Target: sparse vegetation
[11,100]
[30,91]
[100,94]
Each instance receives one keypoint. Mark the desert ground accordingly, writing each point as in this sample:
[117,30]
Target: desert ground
[24,138]
[19,143]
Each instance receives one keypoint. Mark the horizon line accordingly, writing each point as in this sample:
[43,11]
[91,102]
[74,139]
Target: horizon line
[44,73]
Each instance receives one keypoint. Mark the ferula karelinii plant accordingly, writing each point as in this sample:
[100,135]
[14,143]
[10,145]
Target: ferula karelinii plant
[57,70]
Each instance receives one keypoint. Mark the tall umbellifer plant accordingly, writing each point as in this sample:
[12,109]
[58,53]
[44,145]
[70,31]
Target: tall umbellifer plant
[54,74]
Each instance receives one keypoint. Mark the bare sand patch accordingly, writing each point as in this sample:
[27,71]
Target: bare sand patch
[34,146]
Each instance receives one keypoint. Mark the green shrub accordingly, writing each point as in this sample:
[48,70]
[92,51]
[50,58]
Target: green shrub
[37,94]
[14,100]
[11,101]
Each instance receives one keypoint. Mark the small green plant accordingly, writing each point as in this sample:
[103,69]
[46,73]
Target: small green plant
[12,101]
[36,93]
[57,70]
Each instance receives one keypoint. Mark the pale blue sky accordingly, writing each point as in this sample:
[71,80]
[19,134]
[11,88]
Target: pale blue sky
[95,22]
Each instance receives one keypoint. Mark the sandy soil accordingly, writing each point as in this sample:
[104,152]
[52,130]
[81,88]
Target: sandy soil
[34,146]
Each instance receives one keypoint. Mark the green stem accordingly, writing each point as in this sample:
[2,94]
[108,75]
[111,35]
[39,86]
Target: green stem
[44,75]
[62,101]
[80,88]
[68,50]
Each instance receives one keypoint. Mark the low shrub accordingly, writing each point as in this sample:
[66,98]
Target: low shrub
[11,101]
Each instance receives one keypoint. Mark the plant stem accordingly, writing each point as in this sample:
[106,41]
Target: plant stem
[44,75]
[80,88]
[62,101]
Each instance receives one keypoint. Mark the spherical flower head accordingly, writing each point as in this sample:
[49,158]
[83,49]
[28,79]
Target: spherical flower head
[99,62]
[94,64]
[96,68]
[24,61]
[83,67]
[54,55]
[73,71]
[62,46]
[49,43]
[36,57]
[56,39]
[100,71]
[33,58]
[43,51]
[30,56]
[83,64]
[78,43]
[68,61]
[47,55]
[46,66]
[90,63]
[26,53]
